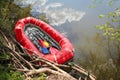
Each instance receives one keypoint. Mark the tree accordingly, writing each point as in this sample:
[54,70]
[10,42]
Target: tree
[10,13]
[110,32]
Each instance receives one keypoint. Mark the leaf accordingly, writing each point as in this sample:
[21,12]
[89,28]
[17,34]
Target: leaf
[118,39]
[110,3]
[101,16]
[109,15]
[102,28]
[92,6]
[112,38]
[104,34]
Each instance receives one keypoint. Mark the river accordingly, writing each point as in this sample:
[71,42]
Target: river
[77,19]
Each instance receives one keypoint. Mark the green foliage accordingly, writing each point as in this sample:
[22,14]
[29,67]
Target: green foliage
[4,56]
[96,3]
[43,17]
[92,6]
[108,30]
[111,37]
[10,13]
[101,16]
[110,3]
[111,15]
[16,76]
[7,74]
[104,55]
[11,76]
[41,77]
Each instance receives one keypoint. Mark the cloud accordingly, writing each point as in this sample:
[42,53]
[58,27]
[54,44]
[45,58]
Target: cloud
[58,17]
[53,5]
[56,13]
[24,3]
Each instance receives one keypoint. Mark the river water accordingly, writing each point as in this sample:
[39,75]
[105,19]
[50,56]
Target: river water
[77,19]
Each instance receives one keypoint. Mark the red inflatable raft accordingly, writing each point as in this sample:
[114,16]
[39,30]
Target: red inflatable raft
[31,34]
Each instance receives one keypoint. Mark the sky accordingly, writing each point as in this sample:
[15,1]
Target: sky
[62,11]
[72,17]
[57,12]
